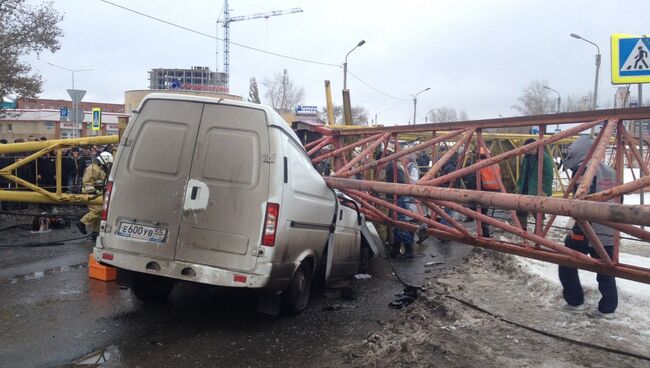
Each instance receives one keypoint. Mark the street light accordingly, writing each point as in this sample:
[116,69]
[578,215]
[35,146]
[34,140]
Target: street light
[559,102]
[559,99]
[595,99]
[74,103]
[345,65]
[415,102]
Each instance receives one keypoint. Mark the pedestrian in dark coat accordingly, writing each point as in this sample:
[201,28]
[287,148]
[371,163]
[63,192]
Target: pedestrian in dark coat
[572,289]
[528,179]
[73,170]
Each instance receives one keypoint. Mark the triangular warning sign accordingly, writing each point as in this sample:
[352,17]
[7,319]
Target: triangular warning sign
[639,58]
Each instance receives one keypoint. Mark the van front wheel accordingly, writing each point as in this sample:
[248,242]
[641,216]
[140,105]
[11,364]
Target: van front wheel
[296,297]
[150,288]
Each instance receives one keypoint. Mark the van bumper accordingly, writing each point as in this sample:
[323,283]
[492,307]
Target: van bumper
[259,278]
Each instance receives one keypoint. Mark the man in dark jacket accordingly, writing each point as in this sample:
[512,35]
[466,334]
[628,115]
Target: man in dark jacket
[400,237]
[572,289]
[423,162]
[528,179]
[73,170]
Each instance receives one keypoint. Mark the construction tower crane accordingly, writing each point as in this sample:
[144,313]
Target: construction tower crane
[227,19]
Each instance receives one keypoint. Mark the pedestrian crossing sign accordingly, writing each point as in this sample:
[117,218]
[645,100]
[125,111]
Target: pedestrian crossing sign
[97,119]
[630,59]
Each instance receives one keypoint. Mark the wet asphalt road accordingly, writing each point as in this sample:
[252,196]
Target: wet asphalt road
[52,314]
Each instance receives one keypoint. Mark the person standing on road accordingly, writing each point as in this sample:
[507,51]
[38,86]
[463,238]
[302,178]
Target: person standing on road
[490,177]
[572,289]
[93,183]
[423,162]
[74,167]
[400,236]
[528,179]
[449,167]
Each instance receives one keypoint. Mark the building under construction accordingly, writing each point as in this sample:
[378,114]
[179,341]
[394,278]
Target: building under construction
[197,78]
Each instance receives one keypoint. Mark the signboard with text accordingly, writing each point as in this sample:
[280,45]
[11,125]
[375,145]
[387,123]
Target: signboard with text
[306,110]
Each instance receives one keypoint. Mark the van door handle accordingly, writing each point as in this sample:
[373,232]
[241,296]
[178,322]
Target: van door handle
[195,191]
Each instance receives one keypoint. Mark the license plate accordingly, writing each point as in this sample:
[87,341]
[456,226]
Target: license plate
[142,232]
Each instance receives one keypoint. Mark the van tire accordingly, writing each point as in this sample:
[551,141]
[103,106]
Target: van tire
[296,297]
[150,288]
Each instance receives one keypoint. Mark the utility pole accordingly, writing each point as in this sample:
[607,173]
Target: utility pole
[74,95]
[347,107]
[595,99]
[415,103]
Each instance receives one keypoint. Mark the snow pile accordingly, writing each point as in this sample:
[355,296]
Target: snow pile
[634,297]
[463,319]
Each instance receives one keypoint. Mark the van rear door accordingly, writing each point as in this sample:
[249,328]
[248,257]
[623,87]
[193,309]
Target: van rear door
[228,188]
[150,176]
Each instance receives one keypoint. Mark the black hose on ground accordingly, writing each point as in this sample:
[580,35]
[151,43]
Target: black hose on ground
[45,244]
[408,294]
[542,332]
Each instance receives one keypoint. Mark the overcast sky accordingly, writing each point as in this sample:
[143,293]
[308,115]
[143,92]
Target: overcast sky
[475,55]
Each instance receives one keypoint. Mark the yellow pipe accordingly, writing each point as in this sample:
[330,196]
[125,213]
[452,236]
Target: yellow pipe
[59,169]
[32,197]
[39,145]
[28,159]
[27,184]
[330,106]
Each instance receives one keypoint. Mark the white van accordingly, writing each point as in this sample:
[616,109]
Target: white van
[221,192]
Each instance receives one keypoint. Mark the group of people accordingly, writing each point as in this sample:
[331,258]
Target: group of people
[489,179]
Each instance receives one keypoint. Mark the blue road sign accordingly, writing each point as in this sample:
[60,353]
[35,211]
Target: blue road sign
[64,113]
[630,59]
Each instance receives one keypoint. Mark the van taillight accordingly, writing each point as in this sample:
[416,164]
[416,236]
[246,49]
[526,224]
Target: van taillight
[107,199]
[270,224]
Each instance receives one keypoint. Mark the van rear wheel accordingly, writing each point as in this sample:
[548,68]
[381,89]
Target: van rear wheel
[151,288]
[296,297]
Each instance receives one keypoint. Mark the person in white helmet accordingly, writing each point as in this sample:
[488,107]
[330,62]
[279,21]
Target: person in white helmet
[93,183]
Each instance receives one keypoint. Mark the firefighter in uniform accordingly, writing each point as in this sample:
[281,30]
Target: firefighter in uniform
[93,183]
[490,177]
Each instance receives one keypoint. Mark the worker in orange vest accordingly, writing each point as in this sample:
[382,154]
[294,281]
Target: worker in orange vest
[490,177]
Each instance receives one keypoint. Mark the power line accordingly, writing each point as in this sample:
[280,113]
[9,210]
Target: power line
[252,48]
[377,90]
[217,38]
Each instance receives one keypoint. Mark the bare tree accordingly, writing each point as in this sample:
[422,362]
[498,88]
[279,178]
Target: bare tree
[535,100]
[577,103]
[282,93]
[446,114]
[253,91]
[25,29]
[359,115]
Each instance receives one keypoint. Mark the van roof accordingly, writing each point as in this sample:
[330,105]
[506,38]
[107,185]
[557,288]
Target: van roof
[273,118]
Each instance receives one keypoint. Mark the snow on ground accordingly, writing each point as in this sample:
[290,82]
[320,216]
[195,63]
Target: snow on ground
[634,297]
[439,331]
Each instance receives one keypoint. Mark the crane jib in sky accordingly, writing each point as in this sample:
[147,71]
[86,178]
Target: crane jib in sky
[227,19]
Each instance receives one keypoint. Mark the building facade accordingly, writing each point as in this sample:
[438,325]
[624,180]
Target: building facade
[197,78]
[33,124]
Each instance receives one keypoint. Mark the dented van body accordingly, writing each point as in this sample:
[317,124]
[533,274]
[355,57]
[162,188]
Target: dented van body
[221,192]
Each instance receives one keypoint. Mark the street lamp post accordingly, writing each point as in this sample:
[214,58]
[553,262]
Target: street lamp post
[415,103]
[595,99]
[347,106]
[345,64]
[74,102]
[559,103]
[559,99]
